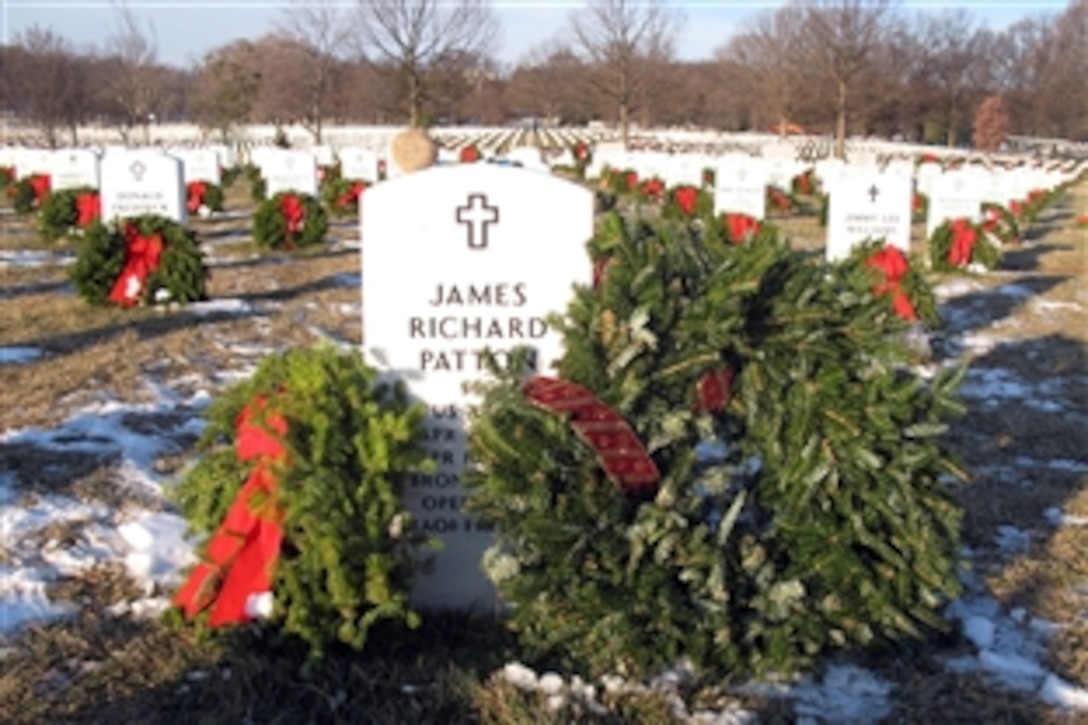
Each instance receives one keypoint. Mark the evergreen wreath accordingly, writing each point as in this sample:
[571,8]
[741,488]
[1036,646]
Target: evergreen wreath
[258,188]
[348,554]
[203,195]
[742,228]
[29,193]
[688,202]
[779,202]
[919,205]
[102,257]
[7,177]
[341,196]
[865,270]
[804,184]
[958,244]
[290,220]
[816,520]
[60,213]
[999,222]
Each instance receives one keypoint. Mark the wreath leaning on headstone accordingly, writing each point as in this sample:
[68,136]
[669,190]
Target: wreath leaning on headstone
[142,260]
[298,498]
[959,244]
[203,197]
[290,220]
[794,502]
[65,211]
[29,193]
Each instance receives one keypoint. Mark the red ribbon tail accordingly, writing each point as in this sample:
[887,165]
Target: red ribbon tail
[198,591]
[250,574]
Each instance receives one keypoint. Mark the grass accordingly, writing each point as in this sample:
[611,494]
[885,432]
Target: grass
[97,667]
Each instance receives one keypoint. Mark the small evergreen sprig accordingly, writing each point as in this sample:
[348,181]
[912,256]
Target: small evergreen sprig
[350,554]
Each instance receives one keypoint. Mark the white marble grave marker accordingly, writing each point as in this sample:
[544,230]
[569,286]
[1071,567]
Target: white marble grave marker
[287,170]
[140,182]
[868,206]
[456,260]
[359,164]
[74,168]
[955,195]
[200,165]
[740,187]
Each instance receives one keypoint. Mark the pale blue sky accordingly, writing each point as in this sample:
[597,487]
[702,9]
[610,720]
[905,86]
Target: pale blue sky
[186,29]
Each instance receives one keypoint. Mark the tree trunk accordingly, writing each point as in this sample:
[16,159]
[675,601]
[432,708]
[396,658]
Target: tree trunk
[950,138]
[625,132]
[414,104]
[840,123]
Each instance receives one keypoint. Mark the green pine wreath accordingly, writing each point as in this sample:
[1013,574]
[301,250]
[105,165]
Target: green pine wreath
[817,520]
[22,196]
[100,258]
[999,222]
[270,228]
[919,205]
[703,207]
[336,193]
[861,277]
[349,554]
[212,198]
[258,187]
[59,213]
[983,252]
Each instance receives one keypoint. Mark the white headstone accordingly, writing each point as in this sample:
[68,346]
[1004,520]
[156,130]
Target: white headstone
[868,206]
[288,170]
[74,168]
[457,259]
[323,155]
[200,165]
[358,164]
[955,195]
[138,182]
[740,186]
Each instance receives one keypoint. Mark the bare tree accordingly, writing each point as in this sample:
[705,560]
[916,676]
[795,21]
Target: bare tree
[622,39]
[837,40]
[49,79]
[952,62]
[411,36]
[322,29]
[991,124]
[227,83]
[133,85]
[766,51]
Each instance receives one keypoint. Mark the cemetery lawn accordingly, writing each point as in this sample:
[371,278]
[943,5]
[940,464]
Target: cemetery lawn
[144,375]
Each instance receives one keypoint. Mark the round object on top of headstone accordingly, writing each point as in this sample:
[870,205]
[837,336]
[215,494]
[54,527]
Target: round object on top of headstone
[413,150]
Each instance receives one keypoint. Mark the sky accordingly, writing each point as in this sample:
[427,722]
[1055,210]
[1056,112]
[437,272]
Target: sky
[186,29]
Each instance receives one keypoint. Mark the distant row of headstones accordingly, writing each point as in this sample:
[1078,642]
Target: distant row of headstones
[867,199]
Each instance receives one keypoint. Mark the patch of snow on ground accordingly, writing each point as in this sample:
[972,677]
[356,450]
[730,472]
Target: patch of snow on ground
[226,305]
[33,258]
[9,355]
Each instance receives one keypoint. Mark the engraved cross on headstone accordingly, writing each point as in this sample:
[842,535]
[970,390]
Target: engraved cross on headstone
[138,170]
[477,215]
[873,193]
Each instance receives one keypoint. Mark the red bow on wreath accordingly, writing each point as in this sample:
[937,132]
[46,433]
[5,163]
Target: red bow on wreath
[632,180]
[293,213]
[142,254]
[40,184]
[196,190]
[894,266]
[741,227]
[964,237]
[351,196]
[653,188]
[686,198]
[619,451]
[88,208]
[469,154]
[242,554]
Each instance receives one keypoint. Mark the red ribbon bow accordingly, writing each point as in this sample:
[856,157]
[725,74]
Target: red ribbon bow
[40,184]
[741,227]
[351,196]
[469,154]
[686,198]
[964,237]
[142,254]
[88,208]
[714,390]
[653,188]
[804,183]
[780,200]
[293,213]
[632,180]
[581,151]
[242,554]
[893,264]
[196,190]
[618,449]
